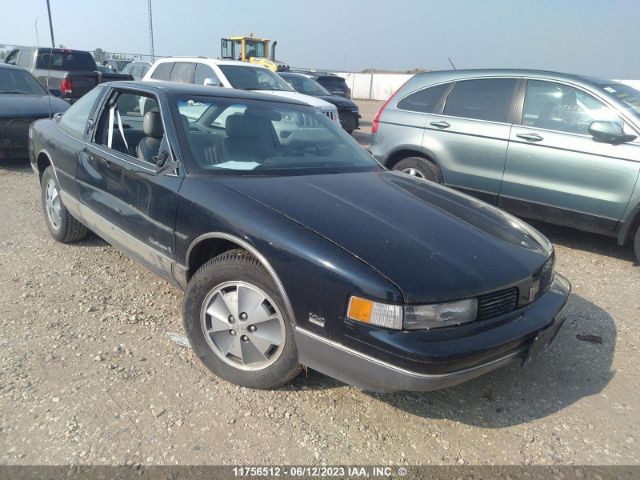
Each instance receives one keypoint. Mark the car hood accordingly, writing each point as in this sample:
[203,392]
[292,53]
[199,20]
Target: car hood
[338,101]
[433,243]
[22,105]
[308,99]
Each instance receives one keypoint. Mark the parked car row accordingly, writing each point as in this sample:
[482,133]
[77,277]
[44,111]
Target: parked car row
[295,247]
[554,147]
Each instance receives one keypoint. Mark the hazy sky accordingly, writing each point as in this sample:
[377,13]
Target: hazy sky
[598,37]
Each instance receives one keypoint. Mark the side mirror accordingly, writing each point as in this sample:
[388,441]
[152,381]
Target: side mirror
[55,92]
[57,116]
[609,132]
[164,162]
[211,82]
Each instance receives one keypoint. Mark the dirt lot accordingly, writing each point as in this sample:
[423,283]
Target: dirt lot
[88,373]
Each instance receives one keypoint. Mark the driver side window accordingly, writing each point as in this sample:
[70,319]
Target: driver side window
[131,124]
[555,106]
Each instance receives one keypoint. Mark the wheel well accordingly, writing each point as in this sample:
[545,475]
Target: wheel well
[395,157]
[207,249]
[633,227]
[43,162]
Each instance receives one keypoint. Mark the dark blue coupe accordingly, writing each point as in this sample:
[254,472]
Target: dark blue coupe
[294,246]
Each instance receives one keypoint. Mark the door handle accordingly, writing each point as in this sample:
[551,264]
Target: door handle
[530,137]
[101,160]
[440,124]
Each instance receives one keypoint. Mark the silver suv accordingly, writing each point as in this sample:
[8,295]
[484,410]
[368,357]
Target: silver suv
[549,146]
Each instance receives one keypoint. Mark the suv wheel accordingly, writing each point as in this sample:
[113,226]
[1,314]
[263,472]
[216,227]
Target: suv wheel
[636,245]
[61,224]
[237,325]
[419,167]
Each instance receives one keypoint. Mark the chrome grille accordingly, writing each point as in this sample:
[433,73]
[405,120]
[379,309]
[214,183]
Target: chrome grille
[546,275]
[497,303]
[331,114]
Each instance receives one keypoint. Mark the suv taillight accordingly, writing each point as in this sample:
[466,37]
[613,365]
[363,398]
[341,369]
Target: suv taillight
[376,119]
[66,86]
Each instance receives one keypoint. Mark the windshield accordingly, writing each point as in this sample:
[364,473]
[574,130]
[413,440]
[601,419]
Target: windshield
[19,81]
[253,78]
[253,137]
[305,85]
[626,94]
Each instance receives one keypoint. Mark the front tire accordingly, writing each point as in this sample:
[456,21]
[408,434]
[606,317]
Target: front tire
[419,167]
[237,325]
[61,224]
[636,245]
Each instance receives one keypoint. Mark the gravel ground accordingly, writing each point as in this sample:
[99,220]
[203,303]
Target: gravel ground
[89,375]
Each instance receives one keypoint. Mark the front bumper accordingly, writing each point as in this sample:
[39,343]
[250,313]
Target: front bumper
[349,119]
[369,373]
[14,138]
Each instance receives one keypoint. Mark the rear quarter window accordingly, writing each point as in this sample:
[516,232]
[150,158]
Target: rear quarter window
[74,120]
[425,100]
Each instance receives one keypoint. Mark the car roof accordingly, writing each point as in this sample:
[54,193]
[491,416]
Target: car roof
[214,61]
[294,74]
[513,72]
[203,90]
[7,66]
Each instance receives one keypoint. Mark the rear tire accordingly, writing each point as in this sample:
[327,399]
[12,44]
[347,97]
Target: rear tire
[636,245]
[61,224]
[419,167]
[237,325]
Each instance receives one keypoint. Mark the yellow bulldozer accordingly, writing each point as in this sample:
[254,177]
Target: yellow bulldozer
[253,50]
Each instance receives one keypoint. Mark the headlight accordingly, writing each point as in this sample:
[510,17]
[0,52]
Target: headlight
[415,317]
[440,314]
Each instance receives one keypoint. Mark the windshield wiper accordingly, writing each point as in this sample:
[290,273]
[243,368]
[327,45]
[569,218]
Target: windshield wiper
[14,91]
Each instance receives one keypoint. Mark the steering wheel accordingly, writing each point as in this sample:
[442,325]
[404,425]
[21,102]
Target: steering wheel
[303,147]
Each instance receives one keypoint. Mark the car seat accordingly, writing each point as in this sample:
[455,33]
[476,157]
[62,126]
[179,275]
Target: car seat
[149,146]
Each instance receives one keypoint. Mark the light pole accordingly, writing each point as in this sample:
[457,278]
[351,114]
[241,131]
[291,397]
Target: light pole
[153,57]
[37,36]
[53,43]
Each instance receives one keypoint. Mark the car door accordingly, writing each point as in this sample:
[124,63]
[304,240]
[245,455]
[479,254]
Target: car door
[555,170]
[470,135]
[122,195]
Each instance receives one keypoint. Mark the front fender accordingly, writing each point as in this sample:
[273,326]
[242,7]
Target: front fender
[631,217]
[316,276]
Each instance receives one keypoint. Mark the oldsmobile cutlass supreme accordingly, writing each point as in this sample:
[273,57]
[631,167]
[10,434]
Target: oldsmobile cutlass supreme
[293,245]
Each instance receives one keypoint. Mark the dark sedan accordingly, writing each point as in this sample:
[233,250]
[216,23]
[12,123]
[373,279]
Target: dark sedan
[22,100]
[293,245]
[347,109]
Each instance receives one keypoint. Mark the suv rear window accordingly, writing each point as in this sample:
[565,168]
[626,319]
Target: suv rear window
[68,60]
[425,100]
[334,81]
[486,99]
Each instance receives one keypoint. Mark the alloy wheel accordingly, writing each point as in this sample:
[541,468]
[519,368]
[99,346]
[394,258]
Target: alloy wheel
[243,326]
[414,172]
[52,204]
